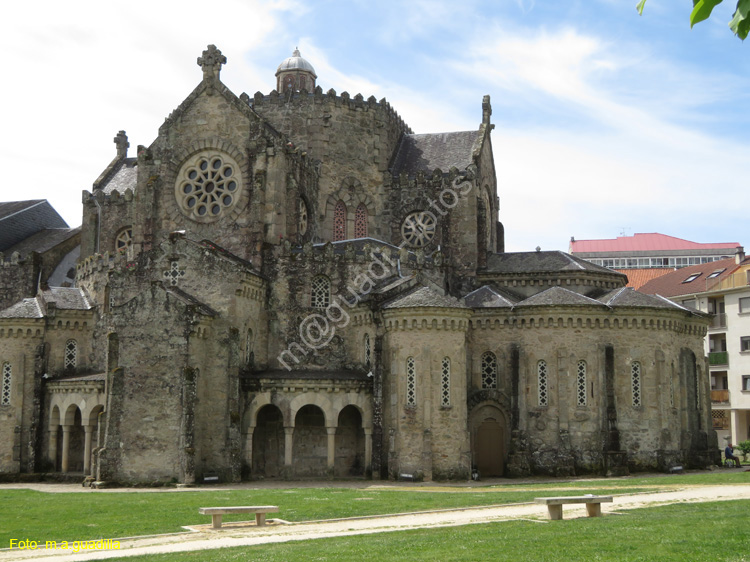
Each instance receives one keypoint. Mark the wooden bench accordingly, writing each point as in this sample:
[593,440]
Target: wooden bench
[259,510]
[593,504]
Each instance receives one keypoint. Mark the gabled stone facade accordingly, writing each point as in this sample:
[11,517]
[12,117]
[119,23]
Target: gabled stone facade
[297,285]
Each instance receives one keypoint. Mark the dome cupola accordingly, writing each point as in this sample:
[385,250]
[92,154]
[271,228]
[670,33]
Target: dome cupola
[295,73]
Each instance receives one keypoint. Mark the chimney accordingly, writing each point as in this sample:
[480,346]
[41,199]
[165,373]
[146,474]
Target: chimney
[739,256]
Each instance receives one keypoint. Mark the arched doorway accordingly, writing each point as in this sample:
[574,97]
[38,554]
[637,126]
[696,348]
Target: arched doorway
[489,439]
[350,444]
[310,447]
[268,443]
[72,441]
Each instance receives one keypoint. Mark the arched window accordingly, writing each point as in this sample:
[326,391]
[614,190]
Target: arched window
[360,221]
[124,239]
[411,382]
[368,352]
[71,354]
[321,292]
[581,392]
[541,371]
[445,383]
[7,380]
[635,376]
[489,370]
[339,222]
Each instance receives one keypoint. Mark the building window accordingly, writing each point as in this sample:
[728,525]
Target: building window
[71,354]
[124,239]
[360,221]
[339,222]
[411,382]
[249,347]
[635,378]
[368,352]
[321,292]
[489,370]
[445,383]
[541,371]
[720,419]
[7,379]
[581,393]
[745,343]
[745,382]
[744,304]
[208,184]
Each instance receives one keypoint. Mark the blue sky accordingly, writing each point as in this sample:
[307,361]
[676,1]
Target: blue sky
[606,121]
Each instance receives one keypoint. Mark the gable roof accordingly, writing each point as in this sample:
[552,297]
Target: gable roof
[674,284]
[647,242]
[639,277]
[64,298]
[487,297]
[44,240]
[122,176]
[425,153]
[559,296]
[541,262]
[424,297]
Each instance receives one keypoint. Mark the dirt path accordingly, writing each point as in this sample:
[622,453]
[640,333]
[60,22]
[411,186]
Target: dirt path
[203,537]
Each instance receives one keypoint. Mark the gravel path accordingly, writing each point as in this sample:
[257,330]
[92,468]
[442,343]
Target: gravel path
[238,534]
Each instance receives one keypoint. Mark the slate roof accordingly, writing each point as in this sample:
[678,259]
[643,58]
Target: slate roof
[627,296]
[438,150]
[27,308]
[424,297]
[487,297]
[673,284]
[540,262]
[43,240]
[67,298]
[646,242]
[21,219]
[96,377]
[122,177]
[559,296]
[190,300]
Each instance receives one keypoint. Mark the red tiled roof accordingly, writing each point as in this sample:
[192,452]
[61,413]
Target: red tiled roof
[639,277]
[645,242]
[673,284]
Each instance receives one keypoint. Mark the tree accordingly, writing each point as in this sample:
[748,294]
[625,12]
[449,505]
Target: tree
[702,9]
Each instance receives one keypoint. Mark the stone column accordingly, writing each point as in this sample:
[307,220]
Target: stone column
[249,446]
[65,447]
[288,440]
[331,447]
[88,429]
[368,450]
[734,420]
[52,453]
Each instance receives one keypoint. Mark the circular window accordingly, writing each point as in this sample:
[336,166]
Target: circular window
[208,184]
[303,220]
[418,229]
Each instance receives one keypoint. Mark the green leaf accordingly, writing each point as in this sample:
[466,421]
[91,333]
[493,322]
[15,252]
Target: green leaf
[702,10]
[740,23]
[639,7]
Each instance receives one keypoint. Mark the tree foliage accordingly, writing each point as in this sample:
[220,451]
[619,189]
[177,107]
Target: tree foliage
[702,9]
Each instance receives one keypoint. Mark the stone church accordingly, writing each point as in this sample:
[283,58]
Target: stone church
[296,284]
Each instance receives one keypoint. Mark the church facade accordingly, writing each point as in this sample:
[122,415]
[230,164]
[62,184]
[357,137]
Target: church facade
[298,285]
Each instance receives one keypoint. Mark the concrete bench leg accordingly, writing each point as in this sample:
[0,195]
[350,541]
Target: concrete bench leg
[594,509]
[260,519]
[216,520]
[555,512]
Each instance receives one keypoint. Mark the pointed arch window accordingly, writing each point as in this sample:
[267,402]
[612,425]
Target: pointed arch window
[489,370]
[360,221]
[321,292]
[71,354]
[7,380]
[339,221]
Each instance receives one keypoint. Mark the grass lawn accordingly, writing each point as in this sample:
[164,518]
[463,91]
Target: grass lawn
[715,532]
[89,515]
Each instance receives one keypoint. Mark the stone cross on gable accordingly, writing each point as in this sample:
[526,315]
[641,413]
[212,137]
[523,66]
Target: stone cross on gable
[211,62]
[122,144]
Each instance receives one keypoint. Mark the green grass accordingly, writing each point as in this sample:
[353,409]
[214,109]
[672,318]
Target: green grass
[715,532]
[89,515]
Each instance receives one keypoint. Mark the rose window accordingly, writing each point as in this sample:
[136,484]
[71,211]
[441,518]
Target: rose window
[418,229]
[208,184]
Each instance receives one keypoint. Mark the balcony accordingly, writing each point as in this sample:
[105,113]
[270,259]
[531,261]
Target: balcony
[718,321]
[716,358]
[720,396]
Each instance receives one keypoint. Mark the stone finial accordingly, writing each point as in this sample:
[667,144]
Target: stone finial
[211,62]
[122,144]
[486,110]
